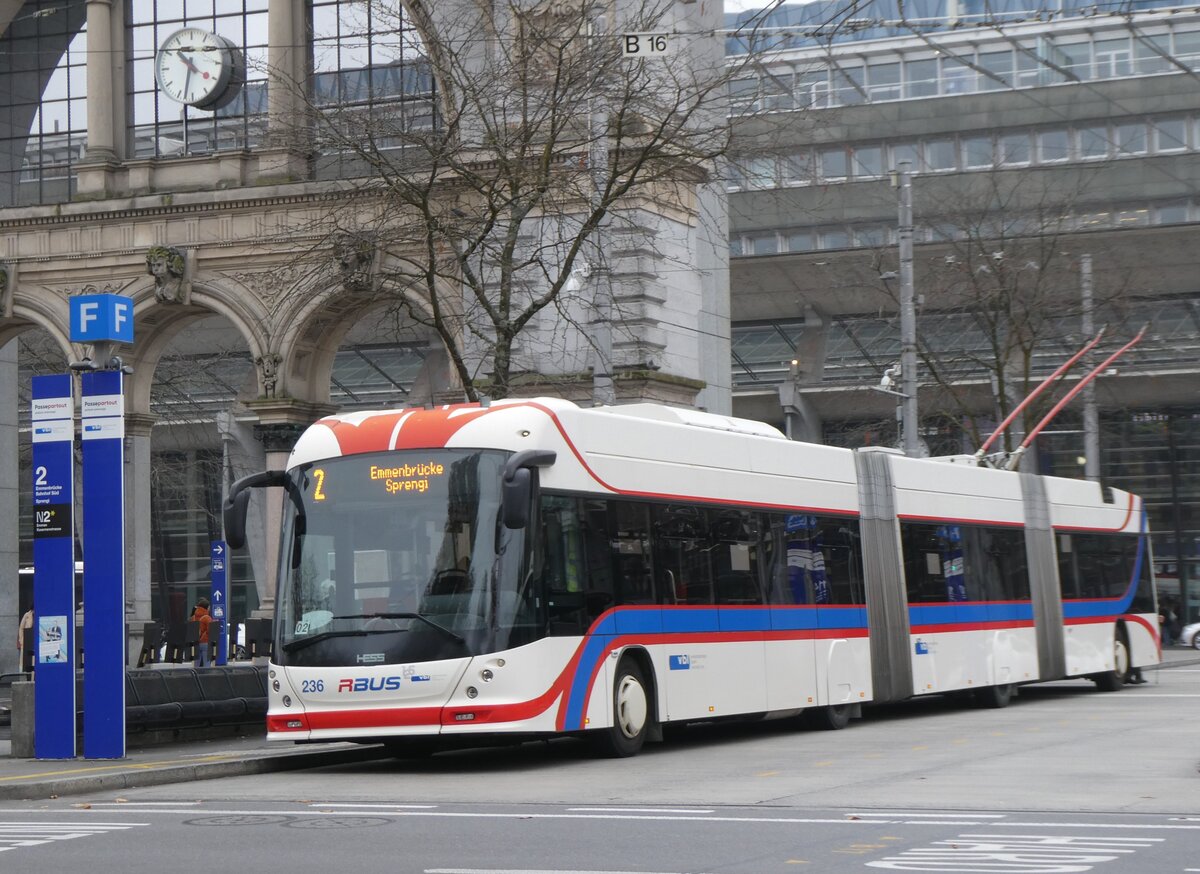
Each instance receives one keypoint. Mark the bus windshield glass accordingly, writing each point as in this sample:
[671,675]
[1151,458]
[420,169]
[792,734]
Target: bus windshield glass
[400,557]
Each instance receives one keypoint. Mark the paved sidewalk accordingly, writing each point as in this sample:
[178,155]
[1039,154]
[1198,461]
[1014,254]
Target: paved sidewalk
[168,763]
[226,757]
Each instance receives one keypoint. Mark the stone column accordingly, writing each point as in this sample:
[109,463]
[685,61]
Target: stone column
[287,72]
[105,98]
[9,489]
[277,440]
[138,589]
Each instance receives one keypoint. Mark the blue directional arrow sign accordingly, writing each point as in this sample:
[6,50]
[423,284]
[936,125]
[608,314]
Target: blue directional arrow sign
[218,630]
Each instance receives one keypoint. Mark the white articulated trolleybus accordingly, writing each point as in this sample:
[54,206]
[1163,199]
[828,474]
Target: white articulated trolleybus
[532,568]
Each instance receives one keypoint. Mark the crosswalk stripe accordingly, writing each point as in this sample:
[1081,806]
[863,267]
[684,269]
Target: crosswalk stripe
[14,835]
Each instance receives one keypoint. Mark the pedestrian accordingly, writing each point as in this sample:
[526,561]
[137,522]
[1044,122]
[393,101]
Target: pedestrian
[25,624]
[1166,623]
[200,615]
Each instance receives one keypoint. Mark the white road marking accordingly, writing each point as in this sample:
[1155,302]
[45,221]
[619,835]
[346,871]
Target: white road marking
[765,820]
[381,805]
[527,871]
[1014,854]
[960,814]
[144,803]
[635,810]
[14,835]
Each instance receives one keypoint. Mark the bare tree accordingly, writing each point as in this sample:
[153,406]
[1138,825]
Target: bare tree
[482,213]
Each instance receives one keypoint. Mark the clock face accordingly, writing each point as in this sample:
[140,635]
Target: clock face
[195,67]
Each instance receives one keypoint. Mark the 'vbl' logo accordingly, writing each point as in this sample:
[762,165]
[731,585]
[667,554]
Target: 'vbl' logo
[680,662]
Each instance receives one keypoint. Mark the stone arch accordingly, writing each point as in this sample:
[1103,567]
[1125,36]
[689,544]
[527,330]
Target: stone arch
[40,311]
[156,325]
[317,325]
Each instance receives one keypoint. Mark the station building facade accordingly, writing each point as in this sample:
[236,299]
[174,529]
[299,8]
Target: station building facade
[256,311]
[1040,141]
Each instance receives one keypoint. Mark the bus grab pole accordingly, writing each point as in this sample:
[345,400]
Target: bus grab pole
[1063,368]
[1100,368]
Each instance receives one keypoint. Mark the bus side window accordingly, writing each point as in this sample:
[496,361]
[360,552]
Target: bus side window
[631,552]
[575,566]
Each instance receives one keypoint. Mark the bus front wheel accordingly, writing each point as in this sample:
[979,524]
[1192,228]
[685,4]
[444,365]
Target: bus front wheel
[1112,681]
[631,714]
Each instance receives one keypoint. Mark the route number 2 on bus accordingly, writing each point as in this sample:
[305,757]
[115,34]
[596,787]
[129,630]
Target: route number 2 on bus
[645,45]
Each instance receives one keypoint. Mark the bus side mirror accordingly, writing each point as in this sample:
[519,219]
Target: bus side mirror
[233,510]
[516,484]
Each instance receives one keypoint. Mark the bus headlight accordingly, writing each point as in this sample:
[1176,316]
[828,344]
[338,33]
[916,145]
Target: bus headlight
[287,700]
[472,692]
[486,675]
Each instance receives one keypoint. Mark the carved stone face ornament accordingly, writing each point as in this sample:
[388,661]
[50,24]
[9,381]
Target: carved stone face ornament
[168,266]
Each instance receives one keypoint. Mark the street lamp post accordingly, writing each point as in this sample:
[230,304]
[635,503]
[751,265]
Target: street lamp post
[910,440]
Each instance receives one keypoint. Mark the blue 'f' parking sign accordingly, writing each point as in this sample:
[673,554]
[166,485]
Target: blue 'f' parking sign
[99,318]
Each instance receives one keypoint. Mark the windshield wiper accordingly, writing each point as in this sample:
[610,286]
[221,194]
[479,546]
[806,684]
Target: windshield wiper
[427,621]
[293,645]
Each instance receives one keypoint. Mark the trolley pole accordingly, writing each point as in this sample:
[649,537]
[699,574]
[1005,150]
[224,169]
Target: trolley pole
[910,440]
[1091,416]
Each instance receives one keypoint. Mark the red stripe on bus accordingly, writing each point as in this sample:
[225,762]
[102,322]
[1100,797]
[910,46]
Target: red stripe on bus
[1121,527]
[951,627]
[947,520]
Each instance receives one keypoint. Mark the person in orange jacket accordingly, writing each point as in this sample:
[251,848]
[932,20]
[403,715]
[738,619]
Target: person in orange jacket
[200,614]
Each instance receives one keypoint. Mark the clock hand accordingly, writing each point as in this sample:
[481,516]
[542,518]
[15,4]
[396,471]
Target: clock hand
[187,62]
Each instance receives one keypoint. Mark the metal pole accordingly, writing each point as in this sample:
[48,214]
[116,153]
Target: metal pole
[908,315]
[1091,417]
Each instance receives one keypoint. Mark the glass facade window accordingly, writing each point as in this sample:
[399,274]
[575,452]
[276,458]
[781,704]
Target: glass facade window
[759,172]
[868,162]
[884,81]
[368,67]
[869,237]
[1093,143]
[940,155]
[910,152]
[43,116]
[798,168]
[1172,213]
[921,78]
[1014,149]
[1131,139]
[801,241]
[957,77]
[1113,58]
[1187,47]
[763,244]
[1054,145]
[812,89]
[1000,66]
[849,85]
[834,164]
[1170,134]
[163,128]
[977,152]
[835,238]
[1150,54]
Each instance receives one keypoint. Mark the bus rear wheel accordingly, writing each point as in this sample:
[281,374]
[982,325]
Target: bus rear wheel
[631,715]
[994,697]
[833,718]
[1112,681]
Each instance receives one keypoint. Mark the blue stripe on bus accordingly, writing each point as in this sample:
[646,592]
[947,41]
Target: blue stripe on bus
[701,620]
[969,613]
[1092,608]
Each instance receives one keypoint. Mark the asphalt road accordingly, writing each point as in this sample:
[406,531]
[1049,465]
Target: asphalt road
[1066,779]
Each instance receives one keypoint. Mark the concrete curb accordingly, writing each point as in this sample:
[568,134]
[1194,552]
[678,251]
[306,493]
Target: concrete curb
[132,776]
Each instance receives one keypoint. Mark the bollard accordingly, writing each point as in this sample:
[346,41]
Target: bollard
[22,720]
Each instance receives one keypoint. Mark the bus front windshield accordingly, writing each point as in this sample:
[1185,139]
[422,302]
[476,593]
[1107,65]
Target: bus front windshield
[401,557]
